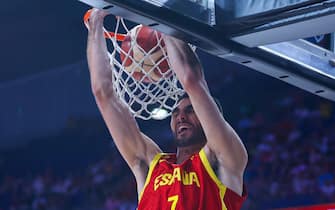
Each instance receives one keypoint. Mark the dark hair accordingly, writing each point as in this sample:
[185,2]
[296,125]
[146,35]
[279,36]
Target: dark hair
[185,95]
[218,104]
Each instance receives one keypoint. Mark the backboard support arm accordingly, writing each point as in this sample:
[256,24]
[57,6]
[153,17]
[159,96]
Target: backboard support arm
[298,63]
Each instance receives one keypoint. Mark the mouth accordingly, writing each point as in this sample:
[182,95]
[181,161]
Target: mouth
[181,128]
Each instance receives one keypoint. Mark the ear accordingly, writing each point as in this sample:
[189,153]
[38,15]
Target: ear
[171,123]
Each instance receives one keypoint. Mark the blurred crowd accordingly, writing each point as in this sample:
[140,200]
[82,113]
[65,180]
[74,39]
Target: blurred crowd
[104,185]
[289,136]
[291,148]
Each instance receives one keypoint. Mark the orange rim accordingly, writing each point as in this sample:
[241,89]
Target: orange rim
[108,34]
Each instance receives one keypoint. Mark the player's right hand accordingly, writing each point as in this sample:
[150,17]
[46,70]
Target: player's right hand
[96,19]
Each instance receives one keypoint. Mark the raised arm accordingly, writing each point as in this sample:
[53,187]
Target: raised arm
[222,140]
[137,149]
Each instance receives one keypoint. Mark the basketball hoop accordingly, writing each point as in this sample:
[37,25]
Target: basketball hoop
[156,88]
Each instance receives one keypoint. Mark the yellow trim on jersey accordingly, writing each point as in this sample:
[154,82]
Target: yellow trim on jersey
[151,168]
[212,174]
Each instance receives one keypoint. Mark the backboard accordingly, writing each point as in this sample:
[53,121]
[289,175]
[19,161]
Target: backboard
[264,35]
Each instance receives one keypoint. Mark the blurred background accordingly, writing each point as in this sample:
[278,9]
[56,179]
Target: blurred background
[56,153]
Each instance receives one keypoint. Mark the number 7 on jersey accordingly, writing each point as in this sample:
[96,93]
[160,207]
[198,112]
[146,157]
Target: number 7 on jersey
[174,200]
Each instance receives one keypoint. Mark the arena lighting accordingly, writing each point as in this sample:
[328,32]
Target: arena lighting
[158,3]
[305,54]
[159,114]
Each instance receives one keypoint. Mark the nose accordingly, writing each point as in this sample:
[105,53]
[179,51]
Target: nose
[181,117]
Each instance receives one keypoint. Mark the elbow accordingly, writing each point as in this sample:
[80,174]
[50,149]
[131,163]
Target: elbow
[192,81]
[192,77]
[188,82]
[243,159]
[102,90]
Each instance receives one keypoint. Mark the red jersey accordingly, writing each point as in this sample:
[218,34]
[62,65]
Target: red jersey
[191,185]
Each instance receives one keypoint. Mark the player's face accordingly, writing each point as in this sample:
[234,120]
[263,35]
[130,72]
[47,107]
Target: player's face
[185,125]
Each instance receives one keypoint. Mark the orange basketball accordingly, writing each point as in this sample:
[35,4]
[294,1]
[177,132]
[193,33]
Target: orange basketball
[144,54]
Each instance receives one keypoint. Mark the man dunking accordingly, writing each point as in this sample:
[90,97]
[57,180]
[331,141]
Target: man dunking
[205,141]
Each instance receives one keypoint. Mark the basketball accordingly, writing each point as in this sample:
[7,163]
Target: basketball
[144,54]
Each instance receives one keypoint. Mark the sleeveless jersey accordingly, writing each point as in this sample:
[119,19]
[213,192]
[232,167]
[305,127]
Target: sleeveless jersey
[191,185]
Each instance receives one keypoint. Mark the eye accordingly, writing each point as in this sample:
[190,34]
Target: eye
[189,109]
[175,112]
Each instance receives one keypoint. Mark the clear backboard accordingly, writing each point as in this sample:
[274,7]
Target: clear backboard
[280,38]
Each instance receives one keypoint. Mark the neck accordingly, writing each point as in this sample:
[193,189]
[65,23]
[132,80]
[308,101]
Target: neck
[183,153]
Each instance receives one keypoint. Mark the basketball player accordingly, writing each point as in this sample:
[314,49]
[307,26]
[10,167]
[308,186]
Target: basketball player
[206,173]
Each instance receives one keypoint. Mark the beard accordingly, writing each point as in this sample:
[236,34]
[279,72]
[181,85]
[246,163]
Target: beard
[197,137]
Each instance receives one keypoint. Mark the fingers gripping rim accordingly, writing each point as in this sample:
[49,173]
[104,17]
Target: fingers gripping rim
[107,34]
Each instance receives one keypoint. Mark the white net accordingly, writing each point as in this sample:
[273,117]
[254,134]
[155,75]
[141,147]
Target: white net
[142,76]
